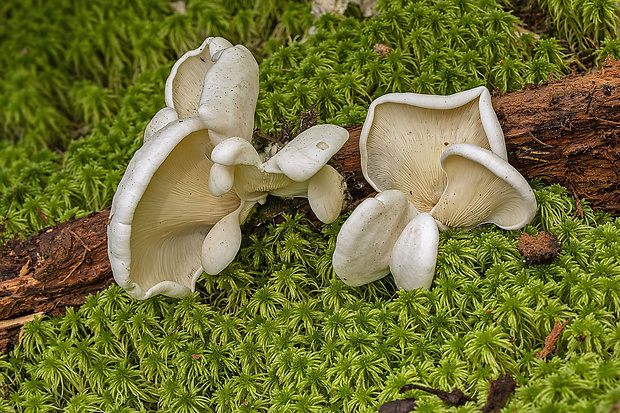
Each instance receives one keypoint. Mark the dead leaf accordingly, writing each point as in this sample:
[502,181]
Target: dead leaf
[499,392]
[552,338]
[382,49]
[398,406]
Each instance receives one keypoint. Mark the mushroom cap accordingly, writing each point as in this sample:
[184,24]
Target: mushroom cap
[222,243]
[185,82]
[163,117]
[414,255]
[235,151]
[483,188]
[404,135]
[326,194]
[305,155]
[162,212]
[229,95]
[365,241]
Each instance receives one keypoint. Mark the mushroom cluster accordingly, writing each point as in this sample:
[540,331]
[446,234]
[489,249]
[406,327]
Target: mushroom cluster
[179,206]
[437,162]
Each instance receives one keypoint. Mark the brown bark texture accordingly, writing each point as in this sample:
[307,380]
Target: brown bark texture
[565,132]
[56,268]
[568,132]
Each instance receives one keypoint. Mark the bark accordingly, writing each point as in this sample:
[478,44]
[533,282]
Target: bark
[565,132]
[568,132]
[48,271]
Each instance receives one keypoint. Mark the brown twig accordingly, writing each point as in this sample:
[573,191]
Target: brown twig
[552,338]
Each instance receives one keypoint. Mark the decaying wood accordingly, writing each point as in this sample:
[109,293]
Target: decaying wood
[565,132]
[552,338]
[19,321]
[568,132]
[58,267]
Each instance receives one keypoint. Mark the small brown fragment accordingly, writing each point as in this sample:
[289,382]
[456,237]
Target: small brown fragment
[382,49]
[499,391]
[398,406]
[615,408]
[456,397]
[552,338]
[18,321]
[580,338]
[542,248]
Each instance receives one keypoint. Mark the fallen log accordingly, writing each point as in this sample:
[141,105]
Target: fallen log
[565,132]
[568,132]
[56,268]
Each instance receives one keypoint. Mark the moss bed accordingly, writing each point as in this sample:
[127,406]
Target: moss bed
[277,331]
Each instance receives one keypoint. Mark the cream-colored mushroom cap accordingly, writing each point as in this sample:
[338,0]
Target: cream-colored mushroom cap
[365,241]
[301,158]
[298,170]
[185,82]
[218,76]
[483,188]
[229,95]
[405,134]
[162,212]
[413,258]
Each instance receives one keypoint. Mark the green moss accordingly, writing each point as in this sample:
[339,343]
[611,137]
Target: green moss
[272,335]
[278,331]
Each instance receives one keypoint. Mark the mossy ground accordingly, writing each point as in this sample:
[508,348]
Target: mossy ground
[277,331]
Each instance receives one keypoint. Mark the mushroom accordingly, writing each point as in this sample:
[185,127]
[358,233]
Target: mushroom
[178,208]
[162,211]
[298,170]
[218,77]
[446,159]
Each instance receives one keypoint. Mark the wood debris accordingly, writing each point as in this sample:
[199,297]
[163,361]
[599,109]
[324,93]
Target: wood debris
[552,338]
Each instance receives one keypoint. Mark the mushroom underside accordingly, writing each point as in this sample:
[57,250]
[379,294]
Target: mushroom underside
[174,215]
[405,143]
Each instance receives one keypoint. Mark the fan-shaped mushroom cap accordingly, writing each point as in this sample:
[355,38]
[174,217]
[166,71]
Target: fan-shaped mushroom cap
[162,212]
[326,194]
[223,241]
[302,158]
[366,239]
[405,134]
[235,151]
[229,95]
[483,188]
[185,83]
[415,253]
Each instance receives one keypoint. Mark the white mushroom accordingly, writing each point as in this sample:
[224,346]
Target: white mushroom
[298,170]
[302,158]
[482,188]
[180,204]
[366,239]
[229,95]
[404,135]
[445,155]
[162,212]
[218,77]
[414,255]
